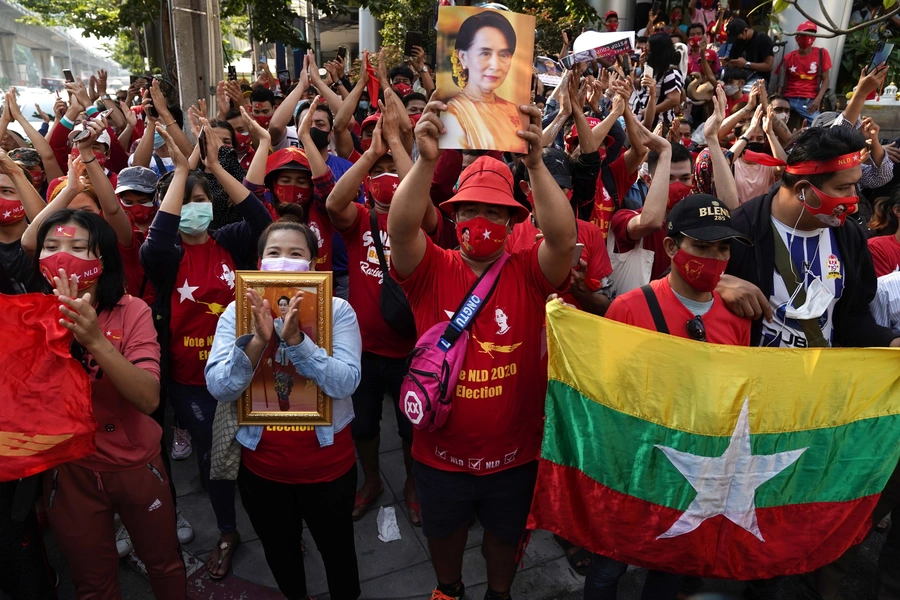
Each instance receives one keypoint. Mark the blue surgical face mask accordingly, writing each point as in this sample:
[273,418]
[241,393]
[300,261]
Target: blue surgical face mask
[158,140]
[364,104]
[195,218]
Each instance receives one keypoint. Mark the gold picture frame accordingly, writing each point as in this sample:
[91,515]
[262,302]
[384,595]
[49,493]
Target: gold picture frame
[278,394]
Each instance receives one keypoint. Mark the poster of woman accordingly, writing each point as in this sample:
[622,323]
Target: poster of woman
[485,59]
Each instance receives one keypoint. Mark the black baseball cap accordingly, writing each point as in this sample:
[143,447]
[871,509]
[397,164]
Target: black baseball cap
[704,218]
[557,163]
[736,28]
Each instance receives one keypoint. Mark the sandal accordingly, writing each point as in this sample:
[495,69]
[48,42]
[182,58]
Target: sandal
[221,555]
[365,503]
[574,558]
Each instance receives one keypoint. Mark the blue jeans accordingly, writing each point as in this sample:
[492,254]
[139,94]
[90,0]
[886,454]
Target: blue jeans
[799,106]
[195,409]
[602,581]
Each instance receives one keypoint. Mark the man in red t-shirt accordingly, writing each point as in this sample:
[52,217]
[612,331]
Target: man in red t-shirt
[482,461]
[684,304]
[807,75]
[672,173]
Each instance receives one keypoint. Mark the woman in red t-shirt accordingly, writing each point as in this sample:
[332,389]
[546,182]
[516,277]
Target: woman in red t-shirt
[192,269]
[384,363]
[885,247]
[293,474]
[116,343]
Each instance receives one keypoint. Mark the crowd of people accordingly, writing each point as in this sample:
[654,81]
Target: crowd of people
[688,187]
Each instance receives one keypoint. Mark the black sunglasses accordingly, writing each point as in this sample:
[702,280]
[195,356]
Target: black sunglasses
[696,330]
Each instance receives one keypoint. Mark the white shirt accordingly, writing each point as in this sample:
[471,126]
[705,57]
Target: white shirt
[815,256]
[290,139]
[886,305]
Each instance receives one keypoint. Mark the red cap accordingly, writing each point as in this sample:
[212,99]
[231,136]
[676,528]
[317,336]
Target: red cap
[611,13]
[573,135]
[808,26]
[370,120]
[487,181]
[284,158]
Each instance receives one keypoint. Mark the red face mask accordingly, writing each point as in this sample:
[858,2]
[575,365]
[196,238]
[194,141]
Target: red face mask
[677,192]
[805,41]
[87,270]
[701,273]
[382,187]
[11,211]
[263,120]
[832,210]
[612,26]
[141,213]
[101,159]
[686,142]
[403,89]
[415,118]
[694,41]
[243,142]
[707,4]
[293,194]
[480,238]
[38,177]
[365,144]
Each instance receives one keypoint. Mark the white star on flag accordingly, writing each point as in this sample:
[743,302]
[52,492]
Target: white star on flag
[487,234]
[7,214]
[726,485]
[187,291]
[59,229]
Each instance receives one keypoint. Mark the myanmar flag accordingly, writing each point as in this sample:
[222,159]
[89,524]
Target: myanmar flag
[709,460]
[46,416]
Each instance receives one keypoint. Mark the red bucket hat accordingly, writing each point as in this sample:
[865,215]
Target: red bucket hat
[487,181]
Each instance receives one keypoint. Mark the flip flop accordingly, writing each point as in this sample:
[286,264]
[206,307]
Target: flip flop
[365,503]
[225,554]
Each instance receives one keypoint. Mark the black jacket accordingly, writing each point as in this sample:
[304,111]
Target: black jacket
[854,325]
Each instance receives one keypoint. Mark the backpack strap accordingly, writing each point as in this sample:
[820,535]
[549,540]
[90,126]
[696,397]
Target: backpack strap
[472,303]
[160,165]
[376,238]
[785,267]
[655,310]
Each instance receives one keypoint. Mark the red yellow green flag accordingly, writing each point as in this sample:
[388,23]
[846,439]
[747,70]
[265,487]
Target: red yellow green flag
[709,460]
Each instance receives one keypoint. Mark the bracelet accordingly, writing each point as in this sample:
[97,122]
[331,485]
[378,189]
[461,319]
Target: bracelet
[66,123]
[91,110]
[89,161]
[167,125]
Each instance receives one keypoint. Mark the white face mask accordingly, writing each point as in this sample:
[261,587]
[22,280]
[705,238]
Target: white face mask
[731,90]
[783,117]
[283,263]
[818,299]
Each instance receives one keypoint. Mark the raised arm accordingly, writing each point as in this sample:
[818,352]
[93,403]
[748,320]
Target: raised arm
[344,118]
[285,111]
[166,118]
[316,162]
[653,215]
[410,202]
[113,213]
[340,206]
[869,81]
[768,128]
[74,186]
[726,189]
[173,201]
[143,154]
[236,191]
[51,167]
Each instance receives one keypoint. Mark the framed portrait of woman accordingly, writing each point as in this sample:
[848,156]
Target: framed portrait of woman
[279,394]
[484,67]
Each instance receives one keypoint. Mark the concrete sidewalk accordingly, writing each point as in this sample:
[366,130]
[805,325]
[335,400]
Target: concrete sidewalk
[396,570]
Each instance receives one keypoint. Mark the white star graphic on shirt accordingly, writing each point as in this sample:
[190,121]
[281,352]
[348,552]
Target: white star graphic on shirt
[187,291]
[487,234]
[726,485]
[7,214]
[794,69]
[108,333]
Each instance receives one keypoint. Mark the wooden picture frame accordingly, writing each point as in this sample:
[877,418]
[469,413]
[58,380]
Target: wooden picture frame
[279,395]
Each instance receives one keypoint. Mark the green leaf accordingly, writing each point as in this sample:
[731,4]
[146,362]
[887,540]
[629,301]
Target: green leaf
[781,5]
[889,3]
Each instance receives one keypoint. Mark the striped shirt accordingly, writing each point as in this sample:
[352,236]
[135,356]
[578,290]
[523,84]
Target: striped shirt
[671,81]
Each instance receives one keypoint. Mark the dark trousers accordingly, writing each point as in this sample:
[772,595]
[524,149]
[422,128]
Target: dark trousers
[23,570]
[378,374]
[277,510]
[195,408]
[159,415]
[602,581]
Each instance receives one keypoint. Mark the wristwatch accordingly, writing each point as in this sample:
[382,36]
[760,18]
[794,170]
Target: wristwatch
[107,97]
[424,69]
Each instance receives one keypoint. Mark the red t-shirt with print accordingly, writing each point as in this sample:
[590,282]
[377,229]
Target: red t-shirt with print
[203,288]
[498,409]
[126,438]
[324,231]
[722,326]
[594,253]
[292,454]
[604,206]
[804,73]
[365,285]
[653,242]
[885,251]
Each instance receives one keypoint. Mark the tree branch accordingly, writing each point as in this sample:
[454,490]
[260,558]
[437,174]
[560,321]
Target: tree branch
[834,31]
[827,16]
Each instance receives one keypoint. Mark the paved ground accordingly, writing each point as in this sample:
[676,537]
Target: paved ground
[398,570]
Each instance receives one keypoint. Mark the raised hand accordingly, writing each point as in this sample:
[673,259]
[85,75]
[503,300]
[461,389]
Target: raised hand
[429,129]
[257,131]
[290,333]
[533,135]
[263,322]
[714,122]
[177,156]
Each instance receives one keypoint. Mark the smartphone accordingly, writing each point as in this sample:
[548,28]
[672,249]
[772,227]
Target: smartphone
[232,73]
[284,80]
[413,38]
[201,141]
[626,64]
[342,52]
[576,254]
[648,70]
[882,54]
[67,73]
[83,134]
[656,6]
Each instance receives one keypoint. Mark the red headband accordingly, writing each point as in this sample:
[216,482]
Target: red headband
[811,167]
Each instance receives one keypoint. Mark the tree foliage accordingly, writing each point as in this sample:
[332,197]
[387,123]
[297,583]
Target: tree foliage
[125,51]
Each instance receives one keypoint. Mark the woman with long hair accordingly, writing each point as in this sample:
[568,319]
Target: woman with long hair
[658,95]
[885,246]
[115,340]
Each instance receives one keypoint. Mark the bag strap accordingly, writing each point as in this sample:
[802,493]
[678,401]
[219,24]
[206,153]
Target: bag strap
[160,165]
[474,300]
[655,311]
[376,238]
[785,266]
[819,70]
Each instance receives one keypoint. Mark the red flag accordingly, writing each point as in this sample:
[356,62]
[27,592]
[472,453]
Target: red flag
[45,411]
[372,86]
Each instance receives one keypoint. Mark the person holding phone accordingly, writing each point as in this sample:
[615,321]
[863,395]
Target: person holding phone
[807,74]
[659,93]
[750,50]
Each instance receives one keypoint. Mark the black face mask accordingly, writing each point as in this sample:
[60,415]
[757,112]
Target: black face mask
[319,137]
[760,147]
